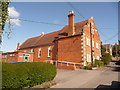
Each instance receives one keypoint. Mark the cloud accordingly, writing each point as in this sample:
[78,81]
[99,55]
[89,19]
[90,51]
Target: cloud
[14,15]
[15,21]
[12,12]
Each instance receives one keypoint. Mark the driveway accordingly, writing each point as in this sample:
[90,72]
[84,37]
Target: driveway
[104,76]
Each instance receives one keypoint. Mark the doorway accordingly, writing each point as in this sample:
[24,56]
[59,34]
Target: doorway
[25,59]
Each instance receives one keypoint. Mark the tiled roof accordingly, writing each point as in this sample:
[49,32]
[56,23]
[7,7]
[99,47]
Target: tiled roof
[108,46]
[50,37]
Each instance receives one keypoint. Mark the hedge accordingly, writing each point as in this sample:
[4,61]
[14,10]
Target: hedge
[20,75]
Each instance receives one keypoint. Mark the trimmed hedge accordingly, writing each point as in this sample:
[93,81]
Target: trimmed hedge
[19,75]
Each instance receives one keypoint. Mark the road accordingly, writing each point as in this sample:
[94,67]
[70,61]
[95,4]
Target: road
[99,78]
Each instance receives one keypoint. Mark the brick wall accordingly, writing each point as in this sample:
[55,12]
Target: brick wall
[95,40]
[44,53]
[69,49]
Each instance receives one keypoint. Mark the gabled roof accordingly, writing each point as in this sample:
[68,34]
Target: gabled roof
[108,46]
[50,37]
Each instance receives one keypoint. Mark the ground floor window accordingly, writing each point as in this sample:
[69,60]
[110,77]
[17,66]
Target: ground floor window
[49,52]
[88,58]
[39,53]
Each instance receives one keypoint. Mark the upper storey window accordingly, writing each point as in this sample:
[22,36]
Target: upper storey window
[97,46]
[87,41]
[39,53]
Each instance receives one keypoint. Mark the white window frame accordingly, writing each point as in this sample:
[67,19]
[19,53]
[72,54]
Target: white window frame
[97,46]
[31,50]
[92,30]
[88,58]
[87,41]
[98,57]
[39,51]
[49,53]
[92,43]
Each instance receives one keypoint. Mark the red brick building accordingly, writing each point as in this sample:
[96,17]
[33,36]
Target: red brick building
[17,56]
[109,48]
[76,44]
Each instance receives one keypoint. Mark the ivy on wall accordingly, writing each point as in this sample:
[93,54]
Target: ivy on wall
[3,15]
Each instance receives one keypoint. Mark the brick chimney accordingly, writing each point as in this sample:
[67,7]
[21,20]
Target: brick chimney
[71,27]
[18,46]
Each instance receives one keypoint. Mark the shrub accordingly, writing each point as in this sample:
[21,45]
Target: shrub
[106,58]
[98,63]
[19,75]
[88,67]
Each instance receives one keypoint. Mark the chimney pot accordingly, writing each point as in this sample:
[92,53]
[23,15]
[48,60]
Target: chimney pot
[92,17]
[42,33]
[71,12]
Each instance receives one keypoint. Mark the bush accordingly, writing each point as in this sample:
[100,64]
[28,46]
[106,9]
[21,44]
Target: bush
[88,67]
[98,63]
[19,75]
[106,58]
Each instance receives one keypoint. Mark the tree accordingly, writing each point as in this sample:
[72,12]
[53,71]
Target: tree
[116,50]
[106,58]
[103,50]
[3,16]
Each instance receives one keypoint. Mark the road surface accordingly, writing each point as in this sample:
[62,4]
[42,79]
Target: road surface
[99,78]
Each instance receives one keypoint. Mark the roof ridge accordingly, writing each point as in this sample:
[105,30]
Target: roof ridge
[49,37]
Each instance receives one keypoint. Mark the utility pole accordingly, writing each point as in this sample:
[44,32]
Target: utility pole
[91,43]
[116,52]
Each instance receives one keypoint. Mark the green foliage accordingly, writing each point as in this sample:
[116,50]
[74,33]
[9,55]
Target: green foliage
[19,75]
[3,16]
[103,49]
[88,67]
[98,63]
[106,58]
[116,51]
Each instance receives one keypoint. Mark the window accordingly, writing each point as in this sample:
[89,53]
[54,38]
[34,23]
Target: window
[32,50]
[39,53]
[12,54]
[92,30]
[96,45]
[92,23]
[88,41]
[49,52]
[92,43]
[88,58]
[98,57]
[26,55]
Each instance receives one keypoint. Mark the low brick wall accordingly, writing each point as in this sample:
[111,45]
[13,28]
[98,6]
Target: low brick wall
[65,66]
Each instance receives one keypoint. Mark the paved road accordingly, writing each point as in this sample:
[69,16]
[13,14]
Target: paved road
[102,77]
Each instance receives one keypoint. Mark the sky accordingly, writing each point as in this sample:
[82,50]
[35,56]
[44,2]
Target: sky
[105,16]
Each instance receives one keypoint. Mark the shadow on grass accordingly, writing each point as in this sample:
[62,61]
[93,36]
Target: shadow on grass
[114,84]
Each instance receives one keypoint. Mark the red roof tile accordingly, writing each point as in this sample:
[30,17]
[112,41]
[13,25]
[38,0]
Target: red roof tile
[50,37]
